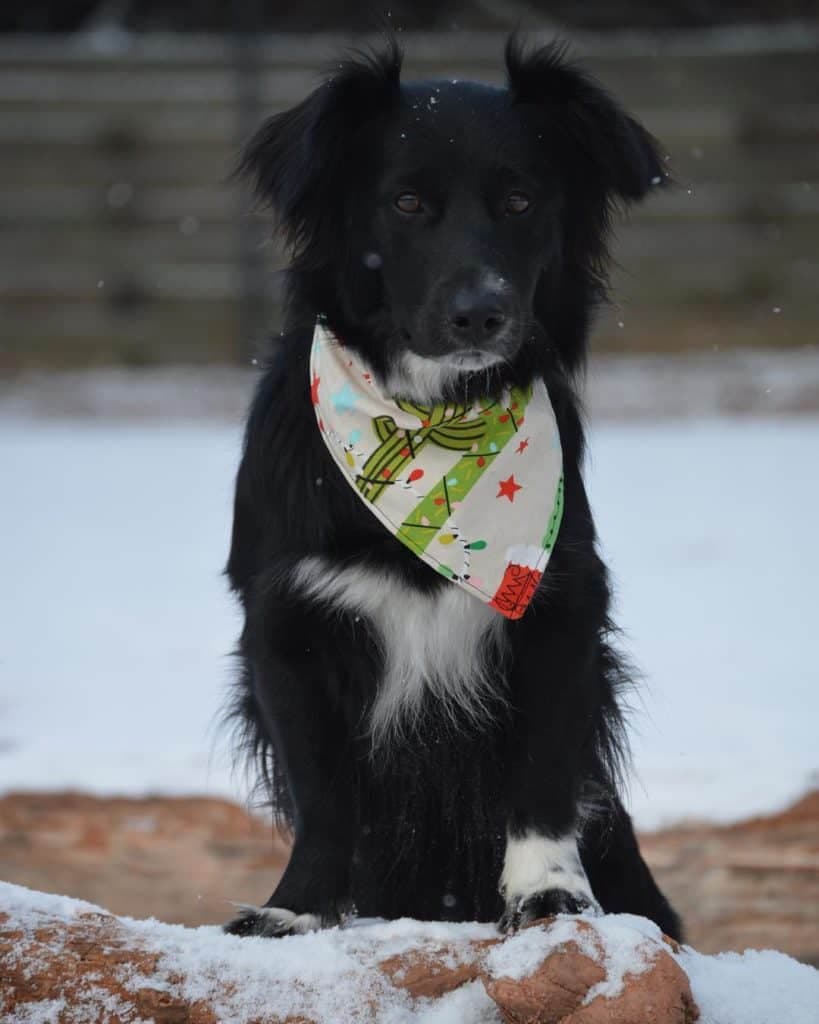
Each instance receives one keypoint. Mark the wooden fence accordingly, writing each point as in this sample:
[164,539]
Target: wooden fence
[120,235]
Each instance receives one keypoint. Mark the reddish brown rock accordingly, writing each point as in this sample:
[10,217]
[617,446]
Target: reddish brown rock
[56,963]
[427,976]
[552,993]
[751,885]
[558,991]
[83,965]
[661,995]
[103,970]
[178,859]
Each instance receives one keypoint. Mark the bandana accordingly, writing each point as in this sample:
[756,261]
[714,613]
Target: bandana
[475,491]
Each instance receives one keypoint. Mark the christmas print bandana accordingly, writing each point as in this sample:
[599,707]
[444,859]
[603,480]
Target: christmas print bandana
[476,491]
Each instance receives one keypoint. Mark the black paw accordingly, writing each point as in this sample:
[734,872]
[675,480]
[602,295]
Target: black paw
[273,922]
[524,910]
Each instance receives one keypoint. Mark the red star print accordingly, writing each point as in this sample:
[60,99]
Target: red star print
[521,448]
[314,386]
[508,488]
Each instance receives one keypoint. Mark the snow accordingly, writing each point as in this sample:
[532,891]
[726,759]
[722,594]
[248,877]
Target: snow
[46,1011]
[642,386]
[117,624]
[328,976]
[756,987]
[521,955]
[624,951]
[709,527]
[331,976]
[468,1003]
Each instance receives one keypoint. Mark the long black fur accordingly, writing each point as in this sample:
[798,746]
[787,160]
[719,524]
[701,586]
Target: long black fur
[418,828]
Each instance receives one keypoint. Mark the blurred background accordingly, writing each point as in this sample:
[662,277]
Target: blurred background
[137,287]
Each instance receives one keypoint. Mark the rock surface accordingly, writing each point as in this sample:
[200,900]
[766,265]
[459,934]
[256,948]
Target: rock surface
[755,884]
[181,860]
[71,962]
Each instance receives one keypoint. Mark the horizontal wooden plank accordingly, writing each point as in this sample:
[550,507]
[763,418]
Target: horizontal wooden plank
[186,241]
[191,165]
[660,70]
[707,147]
[719,44]
[691,286]
[82,334]
[78,204]
[716,161]
[106,126]
[30,205]
[193,242]
[655,244]
[728,162]
[681,83]
[790,281]
[162,110]
[731,202]
[206,282]
[91,89]
[115,131]
[79,334]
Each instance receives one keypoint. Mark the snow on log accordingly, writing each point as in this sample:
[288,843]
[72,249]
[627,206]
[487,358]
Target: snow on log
[65,961]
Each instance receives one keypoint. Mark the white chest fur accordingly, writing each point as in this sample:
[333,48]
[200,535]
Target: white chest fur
[447,645]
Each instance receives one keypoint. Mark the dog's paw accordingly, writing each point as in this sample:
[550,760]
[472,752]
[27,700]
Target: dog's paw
[521,912]
[273,922]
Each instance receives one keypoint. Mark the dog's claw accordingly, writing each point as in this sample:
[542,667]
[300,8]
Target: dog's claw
[272,922]
[545,904]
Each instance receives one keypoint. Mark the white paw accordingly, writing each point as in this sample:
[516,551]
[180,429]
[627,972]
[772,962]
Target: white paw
[272,922]
[521,912]
[535,864]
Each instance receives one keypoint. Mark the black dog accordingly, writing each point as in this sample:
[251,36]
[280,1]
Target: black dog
[453,236]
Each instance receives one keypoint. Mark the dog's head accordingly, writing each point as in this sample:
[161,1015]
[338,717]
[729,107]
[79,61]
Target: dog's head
[452,231]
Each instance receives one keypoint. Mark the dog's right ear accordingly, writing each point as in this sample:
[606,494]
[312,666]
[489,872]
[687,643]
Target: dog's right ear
[296,161]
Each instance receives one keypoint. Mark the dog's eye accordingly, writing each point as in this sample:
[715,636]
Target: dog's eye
[517,202]
[409,202]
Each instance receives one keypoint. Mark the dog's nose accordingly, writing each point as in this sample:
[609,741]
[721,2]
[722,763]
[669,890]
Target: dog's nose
[476,314]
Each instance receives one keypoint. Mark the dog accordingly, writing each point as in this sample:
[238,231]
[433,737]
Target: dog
[436,752]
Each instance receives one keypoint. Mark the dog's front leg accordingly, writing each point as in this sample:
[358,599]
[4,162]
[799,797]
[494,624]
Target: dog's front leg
[310,745]
[551,748]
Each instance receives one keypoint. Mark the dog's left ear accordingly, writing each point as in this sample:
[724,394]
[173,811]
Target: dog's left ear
[616,153]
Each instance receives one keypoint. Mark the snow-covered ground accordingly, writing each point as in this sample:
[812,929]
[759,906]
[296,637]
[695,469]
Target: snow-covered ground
[116,625]
[332,976]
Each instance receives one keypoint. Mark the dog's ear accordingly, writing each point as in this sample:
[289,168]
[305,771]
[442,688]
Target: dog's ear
[296,161]
[616,153]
